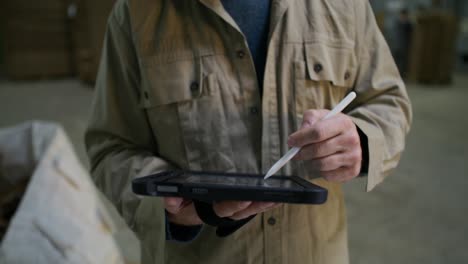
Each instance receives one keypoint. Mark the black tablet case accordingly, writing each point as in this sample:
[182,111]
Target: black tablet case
[169,183]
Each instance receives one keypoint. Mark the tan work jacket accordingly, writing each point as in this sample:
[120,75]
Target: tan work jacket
[177,88]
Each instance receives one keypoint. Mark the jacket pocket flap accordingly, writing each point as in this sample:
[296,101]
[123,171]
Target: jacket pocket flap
[328,63]
[171,82]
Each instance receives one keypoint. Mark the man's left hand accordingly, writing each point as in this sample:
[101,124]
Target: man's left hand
[331,147]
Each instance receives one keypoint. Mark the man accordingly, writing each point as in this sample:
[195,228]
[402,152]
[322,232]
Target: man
[181,86]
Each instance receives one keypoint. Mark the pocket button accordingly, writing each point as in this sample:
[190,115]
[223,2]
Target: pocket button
[271,221]
[194,87]
[318,67]
[240,54]
[347,75]
[254,110]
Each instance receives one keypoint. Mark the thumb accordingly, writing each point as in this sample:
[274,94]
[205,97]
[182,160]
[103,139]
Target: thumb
[173,204]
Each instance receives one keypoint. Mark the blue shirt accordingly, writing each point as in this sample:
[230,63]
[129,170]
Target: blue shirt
[253,19]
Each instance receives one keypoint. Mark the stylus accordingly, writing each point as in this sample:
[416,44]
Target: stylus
[293,151]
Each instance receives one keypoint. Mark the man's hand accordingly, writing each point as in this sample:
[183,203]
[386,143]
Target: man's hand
[332,147]
[182,212]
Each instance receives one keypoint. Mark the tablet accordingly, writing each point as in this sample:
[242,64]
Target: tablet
[215,186]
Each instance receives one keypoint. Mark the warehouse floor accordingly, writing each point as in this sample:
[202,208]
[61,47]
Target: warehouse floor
[419,215]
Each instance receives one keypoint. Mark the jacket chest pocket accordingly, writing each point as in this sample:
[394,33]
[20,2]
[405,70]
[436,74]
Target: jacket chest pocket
[323,78]
[187,117]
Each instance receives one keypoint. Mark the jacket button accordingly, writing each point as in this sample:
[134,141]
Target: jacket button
[271,221]
[240,54]
[254,110]
[347,75]
[318,67]
[194,87]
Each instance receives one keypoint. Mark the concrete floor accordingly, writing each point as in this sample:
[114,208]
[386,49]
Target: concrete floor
[420,213]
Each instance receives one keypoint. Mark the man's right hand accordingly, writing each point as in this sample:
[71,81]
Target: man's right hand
[182,211]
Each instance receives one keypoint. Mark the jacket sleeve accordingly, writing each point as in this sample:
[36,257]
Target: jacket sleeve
[118,139]
[382,110]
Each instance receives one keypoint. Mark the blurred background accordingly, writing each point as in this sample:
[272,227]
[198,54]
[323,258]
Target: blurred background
[49,55]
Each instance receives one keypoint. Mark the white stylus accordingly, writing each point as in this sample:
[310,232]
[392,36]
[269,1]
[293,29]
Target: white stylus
[293,151]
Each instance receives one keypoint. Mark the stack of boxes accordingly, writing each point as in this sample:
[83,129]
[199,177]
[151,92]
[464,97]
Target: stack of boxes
[36,39]
[89,27]
[1,51]
[53,38]
[432,55]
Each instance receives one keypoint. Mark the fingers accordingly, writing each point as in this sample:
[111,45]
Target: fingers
[229,208]
[342,174]
[321,149]
[333,162]
[238,210]
[331,147]
[181,211]
[347,142]
[321,130]
[188,216]
[254,208]
[312,116]
[173,204]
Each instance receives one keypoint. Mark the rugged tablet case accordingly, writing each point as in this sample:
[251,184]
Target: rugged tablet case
[165,184]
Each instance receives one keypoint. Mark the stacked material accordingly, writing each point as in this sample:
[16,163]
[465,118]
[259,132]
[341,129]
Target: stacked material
[432,58]
[36,39]
[1,48]
[53,38]
[89,27]
[51,211]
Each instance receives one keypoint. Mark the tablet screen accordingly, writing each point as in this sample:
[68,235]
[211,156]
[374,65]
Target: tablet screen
[242,181]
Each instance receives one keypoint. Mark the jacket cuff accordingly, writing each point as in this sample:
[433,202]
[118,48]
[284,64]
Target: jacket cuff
[375,147]
[365,153]
[180,233]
